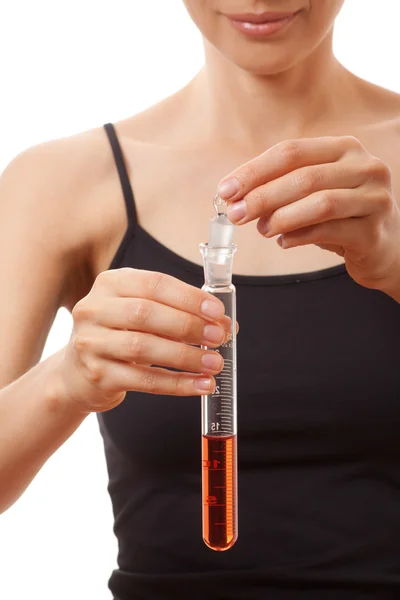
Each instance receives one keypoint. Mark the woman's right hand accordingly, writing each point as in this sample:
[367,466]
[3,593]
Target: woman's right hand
[132,319]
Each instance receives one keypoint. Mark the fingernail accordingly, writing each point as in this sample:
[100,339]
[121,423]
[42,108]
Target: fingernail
[264,227]
[204,384]
[211,309]
[282,242]
[237,211]
[211,362]
[226,322]
[213,334]
[227,189]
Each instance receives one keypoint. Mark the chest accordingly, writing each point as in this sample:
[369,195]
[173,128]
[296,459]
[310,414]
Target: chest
[317,379]
[173,195]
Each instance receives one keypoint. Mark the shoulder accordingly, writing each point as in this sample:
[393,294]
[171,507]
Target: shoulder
[379,114]
[387,125]
[51,177]
[376,98]
[52,189]
[383,133]
[382,107]
[59,160]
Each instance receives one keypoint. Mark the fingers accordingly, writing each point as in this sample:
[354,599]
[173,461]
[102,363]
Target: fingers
[133,319]
[292,187]
[317,208]
[161,288]
[344,234]
[147,316]
[147,349]
[113,376]
[281,159]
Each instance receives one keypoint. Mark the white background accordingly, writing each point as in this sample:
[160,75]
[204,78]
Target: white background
[67,67]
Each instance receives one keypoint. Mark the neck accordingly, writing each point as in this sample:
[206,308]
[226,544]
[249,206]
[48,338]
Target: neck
[249,109]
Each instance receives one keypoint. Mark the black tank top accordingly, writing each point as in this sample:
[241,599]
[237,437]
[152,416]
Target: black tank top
[318,445]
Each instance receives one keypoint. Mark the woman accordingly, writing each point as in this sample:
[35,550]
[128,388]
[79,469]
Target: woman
[303,152]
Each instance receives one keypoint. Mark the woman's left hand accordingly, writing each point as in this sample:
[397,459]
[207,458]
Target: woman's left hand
[325,191]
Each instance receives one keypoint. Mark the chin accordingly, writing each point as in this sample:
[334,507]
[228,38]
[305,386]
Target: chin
[264,60]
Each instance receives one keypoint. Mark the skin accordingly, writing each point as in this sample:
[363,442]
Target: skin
[325,191]
[248,115]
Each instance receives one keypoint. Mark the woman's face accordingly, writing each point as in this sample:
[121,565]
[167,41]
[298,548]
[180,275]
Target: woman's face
[256,48]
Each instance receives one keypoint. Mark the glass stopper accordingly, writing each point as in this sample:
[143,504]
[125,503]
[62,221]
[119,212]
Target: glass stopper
[220,205]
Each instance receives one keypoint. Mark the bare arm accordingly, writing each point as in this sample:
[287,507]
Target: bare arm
[125,320]
[35,422]
[35,265]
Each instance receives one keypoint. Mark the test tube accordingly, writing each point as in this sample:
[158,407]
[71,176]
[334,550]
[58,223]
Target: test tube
[219,422]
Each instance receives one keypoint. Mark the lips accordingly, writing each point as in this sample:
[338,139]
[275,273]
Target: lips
[265,17]
[261,25]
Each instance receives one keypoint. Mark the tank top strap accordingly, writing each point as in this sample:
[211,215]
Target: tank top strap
[123,175]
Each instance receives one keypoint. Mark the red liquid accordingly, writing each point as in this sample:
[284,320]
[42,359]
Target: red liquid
[219,491]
